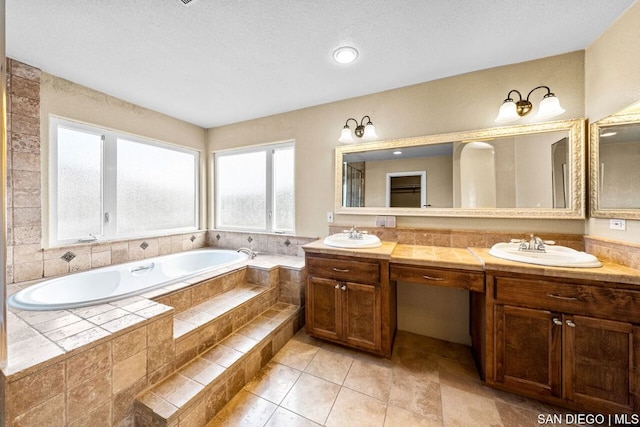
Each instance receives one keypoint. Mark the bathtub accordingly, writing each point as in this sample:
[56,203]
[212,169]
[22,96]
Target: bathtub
[107,284]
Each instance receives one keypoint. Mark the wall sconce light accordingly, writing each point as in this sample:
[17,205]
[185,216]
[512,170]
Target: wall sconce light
[512,110]
[365,131]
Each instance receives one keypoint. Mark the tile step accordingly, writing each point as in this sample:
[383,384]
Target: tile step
[194,393]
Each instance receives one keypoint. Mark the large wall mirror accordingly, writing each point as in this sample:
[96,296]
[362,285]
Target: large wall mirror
[615,165]
[528,171]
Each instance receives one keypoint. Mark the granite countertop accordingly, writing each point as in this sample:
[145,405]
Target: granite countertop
[437,256]
[609,272]
[478,259]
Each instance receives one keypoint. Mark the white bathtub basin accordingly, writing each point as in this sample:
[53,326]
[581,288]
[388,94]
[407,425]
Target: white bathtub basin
[342,240]
[555,256]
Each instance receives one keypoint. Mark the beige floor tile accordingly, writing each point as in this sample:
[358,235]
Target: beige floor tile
[399,417]
[296,354]
[273,382]
[311,397]
[239,342]
[330,366]
[463,409]
[285,418]
[353,409]
[245,409]
[515,416]
[372,380]
[415,393]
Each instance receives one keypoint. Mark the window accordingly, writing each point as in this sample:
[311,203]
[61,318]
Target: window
[111,185]
[254,189]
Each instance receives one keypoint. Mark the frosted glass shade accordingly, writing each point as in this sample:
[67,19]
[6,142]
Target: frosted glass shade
[369,132]
[345,136]
[549,107]
[508,113]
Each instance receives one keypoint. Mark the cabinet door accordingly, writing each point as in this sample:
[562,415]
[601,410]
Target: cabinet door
[528,349]
[598,360]
[323,313]
[362,318]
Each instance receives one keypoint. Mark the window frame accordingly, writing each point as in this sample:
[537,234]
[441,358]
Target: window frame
[269,149]
[109,182]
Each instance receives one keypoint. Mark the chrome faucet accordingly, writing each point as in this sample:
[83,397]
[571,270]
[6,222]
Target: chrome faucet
[534,244]
[252,254]
[354,233]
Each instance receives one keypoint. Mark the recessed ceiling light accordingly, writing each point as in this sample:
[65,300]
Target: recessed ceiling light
[345,54]
[397,152]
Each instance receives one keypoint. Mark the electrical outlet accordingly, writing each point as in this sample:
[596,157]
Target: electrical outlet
[617,224]
[329,216]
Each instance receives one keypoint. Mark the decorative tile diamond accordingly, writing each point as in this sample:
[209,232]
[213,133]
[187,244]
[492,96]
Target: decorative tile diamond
[218,237]
[68,256]
[249,239]
[287,242]
[192,238]
[144,245]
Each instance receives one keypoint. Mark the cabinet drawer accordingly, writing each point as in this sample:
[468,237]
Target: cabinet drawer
[620,304]
[342,269]
[438,277]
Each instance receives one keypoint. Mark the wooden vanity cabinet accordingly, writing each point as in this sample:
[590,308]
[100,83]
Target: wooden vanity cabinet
[571,343]
[349,301]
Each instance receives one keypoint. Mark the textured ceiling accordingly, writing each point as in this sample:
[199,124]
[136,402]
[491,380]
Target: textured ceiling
[216,62]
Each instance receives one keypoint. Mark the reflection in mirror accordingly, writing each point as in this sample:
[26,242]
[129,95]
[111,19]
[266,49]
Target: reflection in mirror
[526,171]
[615,156]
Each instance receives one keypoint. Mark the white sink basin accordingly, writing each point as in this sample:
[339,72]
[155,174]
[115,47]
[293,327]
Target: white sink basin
[342,240]
[556,256]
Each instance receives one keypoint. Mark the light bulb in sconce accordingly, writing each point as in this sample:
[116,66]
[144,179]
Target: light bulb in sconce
[549,107]
[345,135]
[365,131]
[511,110]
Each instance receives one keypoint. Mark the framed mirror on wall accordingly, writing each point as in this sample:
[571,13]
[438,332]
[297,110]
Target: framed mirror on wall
[527,171]
[614,153]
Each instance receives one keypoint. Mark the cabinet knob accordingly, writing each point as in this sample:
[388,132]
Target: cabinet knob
[571,324]
[337,286]
[557,321]
[344,287]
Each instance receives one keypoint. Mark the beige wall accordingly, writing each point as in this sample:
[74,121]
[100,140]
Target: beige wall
[62,98]
[612,82]
[464,102]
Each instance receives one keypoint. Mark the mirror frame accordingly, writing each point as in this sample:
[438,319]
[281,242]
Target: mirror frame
[576,129]
[594,169]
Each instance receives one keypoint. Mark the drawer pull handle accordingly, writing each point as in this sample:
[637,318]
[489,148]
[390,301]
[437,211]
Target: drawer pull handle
[341,270]
[571,324]
[562,298]
[437,279]
[557,321]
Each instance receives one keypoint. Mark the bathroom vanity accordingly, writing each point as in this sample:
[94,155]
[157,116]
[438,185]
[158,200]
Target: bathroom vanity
[350,299]
[566,336]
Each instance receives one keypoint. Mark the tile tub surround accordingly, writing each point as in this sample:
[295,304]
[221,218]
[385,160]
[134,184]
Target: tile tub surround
[126,346]
[277,244]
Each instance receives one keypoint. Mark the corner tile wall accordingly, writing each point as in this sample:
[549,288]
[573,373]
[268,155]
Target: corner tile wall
[24,201]
[26,259]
